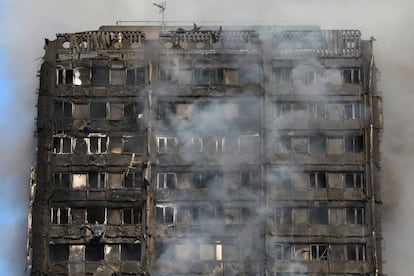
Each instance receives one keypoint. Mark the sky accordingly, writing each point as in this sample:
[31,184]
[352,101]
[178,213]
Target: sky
[25,24]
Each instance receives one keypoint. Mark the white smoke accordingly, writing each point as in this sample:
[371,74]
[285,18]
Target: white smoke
[25,23]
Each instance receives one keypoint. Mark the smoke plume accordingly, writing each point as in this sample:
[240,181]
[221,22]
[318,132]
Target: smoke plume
[25,23]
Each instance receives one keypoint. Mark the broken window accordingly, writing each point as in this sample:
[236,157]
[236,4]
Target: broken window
[284,144]
[299,145]
[96,215]
[100,76]
[317,180]
[317,144]
[210,76]
[354,180]
[116,111]
[166,110]
[355,252]
[58,253]
[60,215]
[94,252]
[133,111]
[115,180]
[64,76]
[135,76]
[355,216]
[283,215]
[282,75]
[131,216]
[165,144]
[117,76]
[97,180]
[97,144]
[81,111]
[282,109]
[318,215]
[97,110]
[352,111]
[61,180]
[250,75]
[130,252]
[183,110]
[62,144]
[315,76]
[166,180]
[301,252]
[249,143]
[318,110]
[133,180]
[231,76]
[283,251]
[134,144]
[301,216]
[248,179]
[353,144]
[165,215]
[319,252]
[63,110]
[351,75]
[79,180]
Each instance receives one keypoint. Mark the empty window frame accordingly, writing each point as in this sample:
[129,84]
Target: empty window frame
[319,252]
[355,252]
[135,76]
[133,111]
[355,216]
[283,215]
[283,251]
[63,110]
[202,180]
[248,179]
[354,180]
[317,180]
[282,109]
[250,75]
[94,252]
[319,215]
[98,110]
[64,76]
[166,144]
[79,180]
[315,76]
[317,144]
[249,143]
[352,110]
[96,215]
[132,180]
[60,215]
[353,144]
[165,214]
[62,144]
[96,180]
[282,75]
[212,76]
[301,252]
[100,76]
[58,253]
[61,180]
[166,180]
[134,144]
[97,144]
[318,110]
[351,75]
[130,252]
[131,215]
[166,110]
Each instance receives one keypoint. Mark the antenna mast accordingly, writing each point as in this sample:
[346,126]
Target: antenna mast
[162,6]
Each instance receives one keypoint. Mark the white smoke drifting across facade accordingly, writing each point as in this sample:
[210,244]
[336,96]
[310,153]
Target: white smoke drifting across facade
[26,22]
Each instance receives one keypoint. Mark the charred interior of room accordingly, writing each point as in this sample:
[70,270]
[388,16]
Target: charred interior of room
[207,151]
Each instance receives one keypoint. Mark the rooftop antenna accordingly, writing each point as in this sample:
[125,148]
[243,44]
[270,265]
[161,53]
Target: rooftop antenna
[162,6]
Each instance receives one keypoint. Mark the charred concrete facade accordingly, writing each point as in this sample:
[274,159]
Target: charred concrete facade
[207,151]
